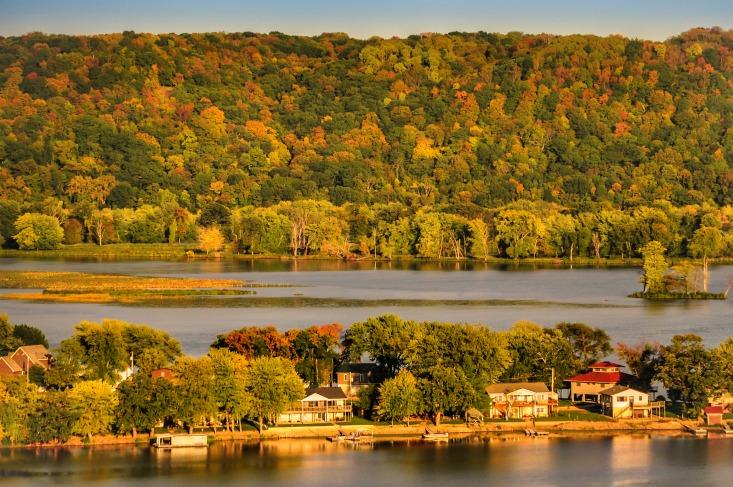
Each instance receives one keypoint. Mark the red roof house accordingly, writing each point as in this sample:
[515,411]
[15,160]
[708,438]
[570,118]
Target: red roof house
[602,375]
[713,415]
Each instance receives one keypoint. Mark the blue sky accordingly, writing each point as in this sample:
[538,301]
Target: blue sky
[648,19]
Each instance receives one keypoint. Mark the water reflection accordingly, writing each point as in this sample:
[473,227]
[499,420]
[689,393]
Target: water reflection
[494,460]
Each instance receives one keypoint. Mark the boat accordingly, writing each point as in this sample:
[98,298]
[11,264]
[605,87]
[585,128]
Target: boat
[355,437]
[180,441]
[534,432]
[434,436]
[697,431]
[727,430]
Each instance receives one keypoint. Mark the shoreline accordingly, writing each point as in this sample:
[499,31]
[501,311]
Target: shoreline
[556,429]
[180,252]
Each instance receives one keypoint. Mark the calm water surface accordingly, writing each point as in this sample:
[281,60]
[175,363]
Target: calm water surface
[492,295]
[594,461]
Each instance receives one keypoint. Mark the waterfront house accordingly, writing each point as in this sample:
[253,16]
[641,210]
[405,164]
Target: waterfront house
[624,402]
[352,378]
[601,376]
[714,415]
[521,399]
[25,357]
[320,405]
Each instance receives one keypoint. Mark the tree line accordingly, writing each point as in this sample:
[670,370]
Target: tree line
[162,130]
[101,382]
[316,227]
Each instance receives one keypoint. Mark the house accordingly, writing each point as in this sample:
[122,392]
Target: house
[602,375]
[320,405]
[624,402]
[714,415]
[29,355]
[25,357]
[8,366]
[521,399]
[352,378]
[163,373]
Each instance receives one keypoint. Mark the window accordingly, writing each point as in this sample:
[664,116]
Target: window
[621,399]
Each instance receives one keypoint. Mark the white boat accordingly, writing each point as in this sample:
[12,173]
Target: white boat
[435,436]
[180,441]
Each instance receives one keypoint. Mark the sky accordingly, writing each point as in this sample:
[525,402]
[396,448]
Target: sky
[646,19]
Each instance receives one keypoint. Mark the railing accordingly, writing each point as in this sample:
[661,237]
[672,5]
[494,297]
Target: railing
[320,409]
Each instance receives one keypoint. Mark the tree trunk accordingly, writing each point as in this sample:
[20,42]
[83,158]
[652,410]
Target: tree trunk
[259,418]
[437,418]
[705,273]
[572,246]
[134,432]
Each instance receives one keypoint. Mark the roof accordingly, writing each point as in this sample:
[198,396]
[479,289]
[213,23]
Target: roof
[12,364]
[612,391]
[327,392]
[603,377]
[357,367]
[508,387]
[36,353]
[714,410]
[604,365]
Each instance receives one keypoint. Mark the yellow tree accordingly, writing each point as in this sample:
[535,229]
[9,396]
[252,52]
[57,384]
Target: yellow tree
[210,239]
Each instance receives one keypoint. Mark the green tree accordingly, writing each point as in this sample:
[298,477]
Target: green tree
[654,266]
[17,403]
[588,344]
[519,232]
[230,375]
[94,404]
[38,232]
[384,338]
[273,385]
[8,341]
[143,403]
[688,372]
[445,390]
[399,397]
[707,242]
[480,239]
[194,390]
[53,418]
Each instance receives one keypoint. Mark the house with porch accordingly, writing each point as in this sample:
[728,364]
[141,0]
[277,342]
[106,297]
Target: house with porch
[320,405]
[601,376]
[352,378]
[521,399]
[623,402]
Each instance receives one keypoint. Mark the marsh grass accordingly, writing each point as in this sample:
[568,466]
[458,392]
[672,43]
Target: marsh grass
[111,288]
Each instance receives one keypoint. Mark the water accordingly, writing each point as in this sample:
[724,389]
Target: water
[489,461]
[496,296]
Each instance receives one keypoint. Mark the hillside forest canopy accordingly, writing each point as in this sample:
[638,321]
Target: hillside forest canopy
[440,146]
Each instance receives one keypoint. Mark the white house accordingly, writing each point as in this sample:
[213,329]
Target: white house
[521,399]
[624,402]
[320,405]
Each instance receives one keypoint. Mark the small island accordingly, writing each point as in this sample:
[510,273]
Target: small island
[684,280]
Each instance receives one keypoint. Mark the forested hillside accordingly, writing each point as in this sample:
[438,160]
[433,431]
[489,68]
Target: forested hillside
[434,145]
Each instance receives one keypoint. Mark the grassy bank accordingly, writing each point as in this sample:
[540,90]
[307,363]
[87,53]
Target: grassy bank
[111,251]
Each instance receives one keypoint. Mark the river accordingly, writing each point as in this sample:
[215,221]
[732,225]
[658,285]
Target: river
[603,460]
[496,296]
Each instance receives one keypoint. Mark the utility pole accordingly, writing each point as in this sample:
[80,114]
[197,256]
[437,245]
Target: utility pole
[552,379]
